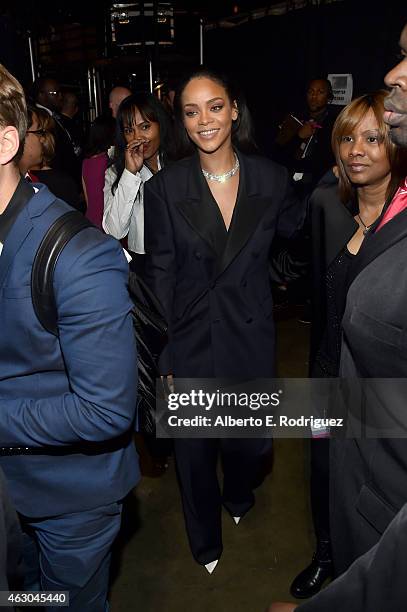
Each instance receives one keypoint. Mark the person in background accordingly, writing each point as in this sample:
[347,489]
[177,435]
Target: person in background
[69,117]
[116,97]
[37,158]
[94,166]
[143,146]
[47,95]
[303,143]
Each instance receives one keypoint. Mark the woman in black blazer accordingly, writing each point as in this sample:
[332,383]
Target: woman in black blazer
[210,220]
[370,168]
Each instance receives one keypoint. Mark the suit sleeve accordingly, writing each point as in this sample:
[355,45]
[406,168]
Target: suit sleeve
[98,349]
[160,266]
[375,582]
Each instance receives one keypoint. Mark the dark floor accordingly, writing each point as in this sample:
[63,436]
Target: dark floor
[154,570]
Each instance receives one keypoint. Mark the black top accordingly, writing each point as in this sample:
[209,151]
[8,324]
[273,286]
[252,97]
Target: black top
[333,225]
[62,185]
[22,194]
[328,356]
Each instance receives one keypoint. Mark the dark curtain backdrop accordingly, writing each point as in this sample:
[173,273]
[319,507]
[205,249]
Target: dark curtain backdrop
[273,58]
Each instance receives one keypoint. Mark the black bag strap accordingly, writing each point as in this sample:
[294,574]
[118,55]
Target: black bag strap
[42,276]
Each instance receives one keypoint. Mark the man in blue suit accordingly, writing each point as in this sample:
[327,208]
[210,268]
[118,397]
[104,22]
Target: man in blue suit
[67,404]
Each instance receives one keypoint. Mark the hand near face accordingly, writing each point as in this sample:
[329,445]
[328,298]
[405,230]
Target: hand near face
[280,606]
[307,130]
[134,156]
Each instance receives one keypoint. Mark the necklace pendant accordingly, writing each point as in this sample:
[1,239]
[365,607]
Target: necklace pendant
[365,231]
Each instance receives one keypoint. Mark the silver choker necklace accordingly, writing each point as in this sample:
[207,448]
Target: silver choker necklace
[222,178]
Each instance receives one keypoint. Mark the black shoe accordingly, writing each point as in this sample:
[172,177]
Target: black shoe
[310,580]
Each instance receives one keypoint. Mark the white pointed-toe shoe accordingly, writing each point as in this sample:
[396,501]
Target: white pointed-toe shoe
[237,519]
[211,566]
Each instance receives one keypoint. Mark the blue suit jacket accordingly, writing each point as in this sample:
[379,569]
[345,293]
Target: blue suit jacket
[77,392]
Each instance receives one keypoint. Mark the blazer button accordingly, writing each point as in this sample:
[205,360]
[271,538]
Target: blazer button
[198,255]
[244,283]
[249,320]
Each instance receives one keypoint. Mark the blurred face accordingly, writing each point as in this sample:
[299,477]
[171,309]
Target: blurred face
[51,95]
[208,114]
[396,103]
[117,95]
[147,132]
[32,155]
[363,154]
[317,96]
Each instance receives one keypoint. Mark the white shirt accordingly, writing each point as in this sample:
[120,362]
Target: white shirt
[124,211]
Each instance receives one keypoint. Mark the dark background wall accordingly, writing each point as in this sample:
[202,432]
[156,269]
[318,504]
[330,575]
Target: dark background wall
[273,58]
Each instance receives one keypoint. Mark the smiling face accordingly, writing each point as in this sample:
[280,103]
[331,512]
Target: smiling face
[363,153]
[148,132]
[396,103]
[208,114]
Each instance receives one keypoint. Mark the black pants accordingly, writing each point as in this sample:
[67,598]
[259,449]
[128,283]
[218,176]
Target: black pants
[202,498]
[320,487]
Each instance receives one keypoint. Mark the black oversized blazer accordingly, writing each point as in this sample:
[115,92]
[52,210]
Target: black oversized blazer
[332,226]
[214,285]
[369,468]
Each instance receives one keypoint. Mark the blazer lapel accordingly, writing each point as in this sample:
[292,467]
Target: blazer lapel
[340,226]
[18,233]
[249,209]
[200,210]
[376,243]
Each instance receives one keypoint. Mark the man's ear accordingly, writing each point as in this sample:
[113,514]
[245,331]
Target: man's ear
[9,144]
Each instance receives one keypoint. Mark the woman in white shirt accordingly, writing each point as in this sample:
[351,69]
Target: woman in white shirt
[142,147]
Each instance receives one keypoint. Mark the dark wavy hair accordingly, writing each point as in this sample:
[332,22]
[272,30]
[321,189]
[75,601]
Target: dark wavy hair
[151,109]
[242,127]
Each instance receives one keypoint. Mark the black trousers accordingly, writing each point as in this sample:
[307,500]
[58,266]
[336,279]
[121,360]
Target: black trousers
[201,494]
[320,487]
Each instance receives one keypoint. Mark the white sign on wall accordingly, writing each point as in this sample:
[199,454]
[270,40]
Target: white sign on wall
[342,86]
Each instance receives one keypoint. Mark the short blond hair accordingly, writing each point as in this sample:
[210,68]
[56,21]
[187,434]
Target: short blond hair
[13,107]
